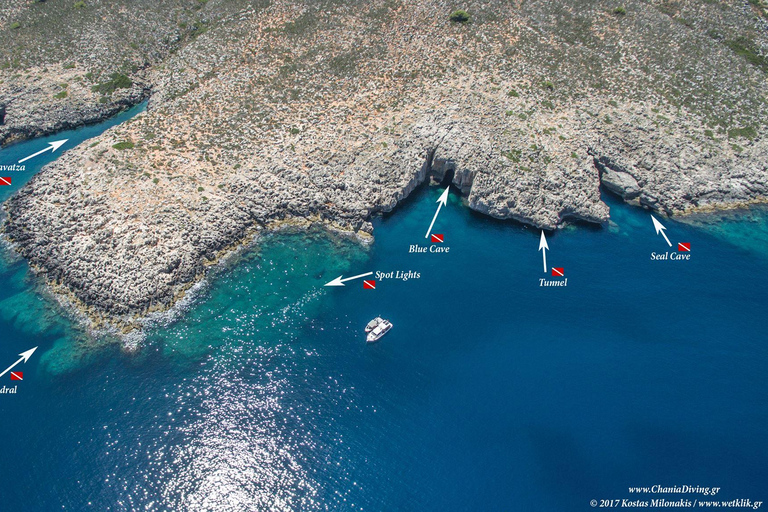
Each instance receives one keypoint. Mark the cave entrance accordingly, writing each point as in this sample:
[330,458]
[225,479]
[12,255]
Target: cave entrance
[448,176]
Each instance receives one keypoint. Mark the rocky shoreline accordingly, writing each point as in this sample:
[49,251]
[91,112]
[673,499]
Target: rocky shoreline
[30,128]
[30,108]
[250,127]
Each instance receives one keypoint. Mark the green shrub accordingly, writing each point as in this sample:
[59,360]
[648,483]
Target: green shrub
[15,25]
[156,181]
[198,28]
[620,10]
[747,49]
[301,25]
[459,16]
[546,84]
[343,64]
[116,81]
[200,189]
[513,93]
[61,95]
[124,145]
[746,132]
[79,4]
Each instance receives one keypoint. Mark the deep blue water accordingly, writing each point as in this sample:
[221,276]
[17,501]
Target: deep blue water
[491,393]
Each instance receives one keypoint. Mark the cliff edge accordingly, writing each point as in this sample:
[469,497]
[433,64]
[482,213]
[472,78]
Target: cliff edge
[267,111]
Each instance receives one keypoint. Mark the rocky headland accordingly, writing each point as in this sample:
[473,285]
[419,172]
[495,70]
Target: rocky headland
[267,112]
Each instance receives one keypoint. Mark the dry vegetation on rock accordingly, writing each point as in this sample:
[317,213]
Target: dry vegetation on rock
[333,111]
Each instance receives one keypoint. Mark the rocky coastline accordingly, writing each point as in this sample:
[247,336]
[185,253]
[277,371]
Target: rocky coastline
[32,120]
[250,128]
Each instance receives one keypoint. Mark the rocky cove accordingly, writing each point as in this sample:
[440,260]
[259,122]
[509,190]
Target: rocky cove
[250,127]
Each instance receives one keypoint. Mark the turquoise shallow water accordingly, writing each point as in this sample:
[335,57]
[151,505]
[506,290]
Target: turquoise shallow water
[491,392]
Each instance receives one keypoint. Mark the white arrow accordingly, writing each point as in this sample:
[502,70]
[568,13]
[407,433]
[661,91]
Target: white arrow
[24,357]
[543,247]
[443,200]
[340,282]
[52,146]
[660,229]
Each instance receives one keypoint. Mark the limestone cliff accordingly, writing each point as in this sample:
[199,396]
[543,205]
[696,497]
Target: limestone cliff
[334,111]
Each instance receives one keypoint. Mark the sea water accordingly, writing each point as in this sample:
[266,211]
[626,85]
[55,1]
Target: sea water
[491,392]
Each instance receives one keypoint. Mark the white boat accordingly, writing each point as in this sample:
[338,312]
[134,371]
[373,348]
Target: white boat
[373,323]
[380,330]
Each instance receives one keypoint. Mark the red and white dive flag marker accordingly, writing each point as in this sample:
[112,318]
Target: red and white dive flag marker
[558,271]
[437,238]
[17,375]
[684,247]
[5,181]
[369,284]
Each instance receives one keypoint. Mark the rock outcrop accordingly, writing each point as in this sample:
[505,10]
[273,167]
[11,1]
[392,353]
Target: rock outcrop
[263,112]
[618,181]
[22,119]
